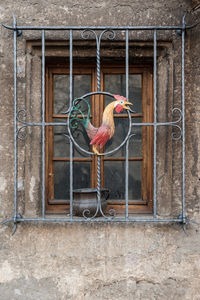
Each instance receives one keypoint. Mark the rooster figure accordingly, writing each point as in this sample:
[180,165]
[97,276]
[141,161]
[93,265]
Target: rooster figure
[98,136]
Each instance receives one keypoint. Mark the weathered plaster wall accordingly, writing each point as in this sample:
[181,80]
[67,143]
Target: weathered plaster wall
[85,261]
[99,262]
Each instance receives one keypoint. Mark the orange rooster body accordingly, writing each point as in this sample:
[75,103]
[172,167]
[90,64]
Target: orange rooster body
[99,136]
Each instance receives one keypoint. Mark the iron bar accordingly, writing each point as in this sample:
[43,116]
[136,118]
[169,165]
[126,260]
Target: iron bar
[86,35]
[126,178]
[98,220]
[167,27]
[43,121]
[183,121]
[97,93]
[71,67]
[127,66]
[44,124]
[98,182]
[127,143]
[71,178]
[71,143]
[15,121]
[155,126]
[66,124]
[98,64]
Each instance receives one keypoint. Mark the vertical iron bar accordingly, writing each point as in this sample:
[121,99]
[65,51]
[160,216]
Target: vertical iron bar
[127,143]
[183,123]
[71,144]
[126,179]
[98,157]
[43,123]
[71,179]
[15,122]
[98,182]
[127,65]
[98,66]
[155,126]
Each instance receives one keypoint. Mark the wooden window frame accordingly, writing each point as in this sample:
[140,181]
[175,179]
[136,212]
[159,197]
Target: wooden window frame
[60,206]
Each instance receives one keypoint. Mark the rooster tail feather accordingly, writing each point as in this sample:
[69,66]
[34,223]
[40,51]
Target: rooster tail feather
[77,115]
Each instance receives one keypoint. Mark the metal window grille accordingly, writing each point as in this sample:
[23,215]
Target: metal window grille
[98,32]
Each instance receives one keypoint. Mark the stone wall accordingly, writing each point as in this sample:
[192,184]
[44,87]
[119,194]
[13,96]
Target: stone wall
[96,261]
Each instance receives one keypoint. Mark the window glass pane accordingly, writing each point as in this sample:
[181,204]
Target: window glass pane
[82,139]
[116,84]
[135,92]
[121,130]
[114,179]
[61,142]
[61,93]
[61,180]
[81,178]
[135,178]
[81,86]
[135,142]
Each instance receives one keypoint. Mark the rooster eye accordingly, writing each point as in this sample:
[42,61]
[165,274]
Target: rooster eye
[121,102]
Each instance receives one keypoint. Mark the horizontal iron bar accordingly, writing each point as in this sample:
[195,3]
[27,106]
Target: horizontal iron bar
[98,220]
[45,124]
[155,124]
[65,124]
[167,27]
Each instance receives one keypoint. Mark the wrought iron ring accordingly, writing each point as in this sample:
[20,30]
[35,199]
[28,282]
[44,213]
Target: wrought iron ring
[105,153]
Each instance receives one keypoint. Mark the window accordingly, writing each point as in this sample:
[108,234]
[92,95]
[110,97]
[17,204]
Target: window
[140,182]
[156,177]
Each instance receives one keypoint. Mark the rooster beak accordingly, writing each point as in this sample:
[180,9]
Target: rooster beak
[126,107]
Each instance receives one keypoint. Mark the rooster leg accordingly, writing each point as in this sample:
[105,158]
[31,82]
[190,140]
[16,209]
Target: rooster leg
[94,149]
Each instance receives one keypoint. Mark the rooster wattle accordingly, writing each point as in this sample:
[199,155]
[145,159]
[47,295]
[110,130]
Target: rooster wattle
[99,136]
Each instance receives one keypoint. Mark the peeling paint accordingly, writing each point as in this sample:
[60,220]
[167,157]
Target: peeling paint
[32,186]
[6,272]
[3,184]
[20,186]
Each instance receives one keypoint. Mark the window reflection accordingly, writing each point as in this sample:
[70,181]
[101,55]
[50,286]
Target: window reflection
[81,86]
[81,178]
[116,84]
[114,179]
[114,171]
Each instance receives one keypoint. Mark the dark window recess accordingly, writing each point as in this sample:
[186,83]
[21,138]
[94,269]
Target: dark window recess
[113,167]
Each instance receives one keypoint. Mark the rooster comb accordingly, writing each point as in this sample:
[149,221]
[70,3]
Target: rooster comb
[118,97]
